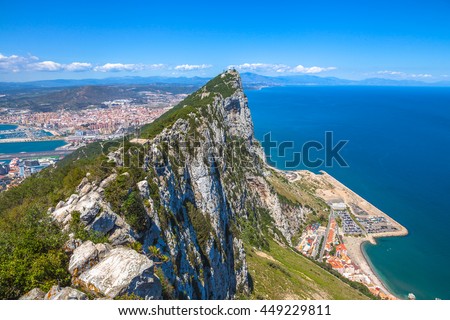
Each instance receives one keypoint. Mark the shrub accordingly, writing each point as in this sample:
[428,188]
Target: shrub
[30,254]
[134,212]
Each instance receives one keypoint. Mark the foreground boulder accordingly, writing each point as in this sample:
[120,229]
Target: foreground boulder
[86,256]
[122,271]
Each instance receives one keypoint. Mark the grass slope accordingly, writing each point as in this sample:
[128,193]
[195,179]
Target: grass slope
[281,273]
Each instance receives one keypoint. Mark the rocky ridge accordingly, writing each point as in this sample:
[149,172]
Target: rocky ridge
[201,193]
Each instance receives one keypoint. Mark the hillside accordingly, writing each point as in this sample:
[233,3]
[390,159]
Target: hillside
[46,99]
[188,211]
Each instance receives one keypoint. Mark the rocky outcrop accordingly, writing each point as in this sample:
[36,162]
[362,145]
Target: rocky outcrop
[121,271]
[203,175]
[67,293]
[55,293]
[287,218]
[86,256]
[94,212]
[35,294]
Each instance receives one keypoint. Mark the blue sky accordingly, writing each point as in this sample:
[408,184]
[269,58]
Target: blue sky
[348,39]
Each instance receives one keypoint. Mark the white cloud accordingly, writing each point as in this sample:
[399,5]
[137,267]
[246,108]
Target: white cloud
[191,67]
[404,75]
[261,67]
[392,73]
[279,68]
[302,69]
[117,67]
[422,75]
[14,63]
[252,66]
[78,66]
[46,66]
[155,66]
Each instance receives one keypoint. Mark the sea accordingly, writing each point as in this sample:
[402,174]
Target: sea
[396,155]
[32,146]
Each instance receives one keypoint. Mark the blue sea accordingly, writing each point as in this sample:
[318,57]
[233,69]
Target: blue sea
[20,134]
[33,146]
[398,156]
[7,127]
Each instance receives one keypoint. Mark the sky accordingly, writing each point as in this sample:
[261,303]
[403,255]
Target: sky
[347,39]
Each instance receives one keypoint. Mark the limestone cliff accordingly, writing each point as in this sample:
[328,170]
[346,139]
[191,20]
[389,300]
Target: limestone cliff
[195,189]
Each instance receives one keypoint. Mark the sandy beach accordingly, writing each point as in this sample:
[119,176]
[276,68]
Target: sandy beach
[355,252]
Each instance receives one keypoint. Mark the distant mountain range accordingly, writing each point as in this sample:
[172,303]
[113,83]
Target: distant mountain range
[250,80]
[254,80]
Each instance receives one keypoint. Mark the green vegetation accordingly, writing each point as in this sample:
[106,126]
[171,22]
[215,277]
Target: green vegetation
[155,254]
[322,238]
[128,296]
[192,104]
[333,251]
[300,192]
[30,253]
[134,212]
[78,229]
[339,221]
[168,291]
[81,97]
[124,198]
[200,223]
[222,85]
[255,229]
[281,273]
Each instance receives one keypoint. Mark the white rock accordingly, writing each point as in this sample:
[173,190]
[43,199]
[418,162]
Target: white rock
[35,294]
[83,182]
[108,180]
[60,204]
[104,222]
[83,258]
[143,189]
[89,207]
[67,293]
[61,214]
[122,271]
[85,189]
[72,199]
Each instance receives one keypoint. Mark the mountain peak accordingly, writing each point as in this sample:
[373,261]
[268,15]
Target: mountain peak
[222,96]
[225,84]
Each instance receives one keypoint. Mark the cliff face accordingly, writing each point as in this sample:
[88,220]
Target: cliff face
[195,190]
[209,171]
[202,194]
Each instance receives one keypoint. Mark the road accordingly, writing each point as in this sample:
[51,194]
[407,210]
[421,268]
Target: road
[322,250]
[27,155]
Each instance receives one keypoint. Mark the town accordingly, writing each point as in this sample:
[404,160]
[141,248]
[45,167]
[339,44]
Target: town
[110,117]
[327,244]
[111,120]
[14,172]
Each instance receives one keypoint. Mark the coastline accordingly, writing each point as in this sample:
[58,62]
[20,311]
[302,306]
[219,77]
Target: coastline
[357,254]
[330,189]
[373,270]
[54,135]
